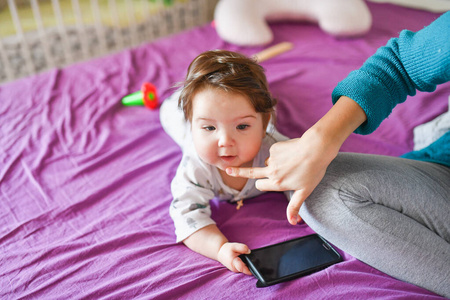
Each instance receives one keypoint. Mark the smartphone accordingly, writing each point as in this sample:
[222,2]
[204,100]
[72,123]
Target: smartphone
[290,259]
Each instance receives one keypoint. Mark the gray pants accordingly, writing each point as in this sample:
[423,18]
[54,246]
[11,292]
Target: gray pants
[391,213]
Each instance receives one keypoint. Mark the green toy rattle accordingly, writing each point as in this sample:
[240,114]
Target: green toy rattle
[146,96]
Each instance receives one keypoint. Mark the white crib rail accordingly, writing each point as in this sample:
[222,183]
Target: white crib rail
[28,52]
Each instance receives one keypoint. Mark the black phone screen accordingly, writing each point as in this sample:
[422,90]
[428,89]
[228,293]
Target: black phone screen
[291,259]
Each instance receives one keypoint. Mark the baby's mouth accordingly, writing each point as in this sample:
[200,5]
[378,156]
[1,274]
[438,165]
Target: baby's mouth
[228,158]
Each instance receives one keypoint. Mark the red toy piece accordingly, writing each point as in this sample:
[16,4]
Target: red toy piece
[146,96]
[150,97]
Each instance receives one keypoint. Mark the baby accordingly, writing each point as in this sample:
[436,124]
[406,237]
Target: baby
[220,118]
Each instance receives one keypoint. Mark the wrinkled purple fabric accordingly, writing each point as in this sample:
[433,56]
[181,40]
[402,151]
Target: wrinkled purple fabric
[85,181]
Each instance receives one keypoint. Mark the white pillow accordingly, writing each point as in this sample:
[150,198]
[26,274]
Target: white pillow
[244,22]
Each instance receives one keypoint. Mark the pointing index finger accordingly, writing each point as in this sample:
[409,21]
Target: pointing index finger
[254,173]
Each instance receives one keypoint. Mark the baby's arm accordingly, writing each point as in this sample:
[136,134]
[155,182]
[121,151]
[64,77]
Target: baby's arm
[192,189]
[210,242]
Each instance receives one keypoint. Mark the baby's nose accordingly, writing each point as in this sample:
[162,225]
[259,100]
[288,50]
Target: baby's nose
[225,139]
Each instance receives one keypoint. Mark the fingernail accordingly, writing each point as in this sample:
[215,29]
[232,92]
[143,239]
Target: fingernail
[229,171]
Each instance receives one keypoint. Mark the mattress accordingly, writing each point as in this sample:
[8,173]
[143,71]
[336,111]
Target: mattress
[85,181]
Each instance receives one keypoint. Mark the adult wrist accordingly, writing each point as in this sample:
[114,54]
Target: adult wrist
[341,121]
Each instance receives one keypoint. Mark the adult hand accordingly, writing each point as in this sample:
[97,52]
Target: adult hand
[297,164]
[229,256]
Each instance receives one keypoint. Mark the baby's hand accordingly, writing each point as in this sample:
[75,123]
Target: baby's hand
[229,256]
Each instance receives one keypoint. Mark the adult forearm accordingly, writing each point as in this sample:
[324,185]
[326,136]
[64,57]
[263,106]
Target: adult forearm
[340,121]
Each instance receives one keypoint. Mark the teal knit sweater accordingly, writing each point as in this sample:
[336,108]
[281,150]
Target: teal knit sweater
[413,61]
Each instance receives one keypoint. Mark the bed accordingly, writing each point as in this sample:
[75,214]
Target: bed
[85,181]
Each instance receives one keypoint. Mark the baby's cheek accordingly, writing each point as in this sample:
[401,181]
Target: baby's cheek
[207,157]
[202,146]
[206,153]
[250,151]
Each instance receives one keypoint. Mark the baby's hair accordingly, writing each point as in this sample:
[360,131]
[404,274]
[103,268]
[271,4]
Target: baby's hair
[230,72]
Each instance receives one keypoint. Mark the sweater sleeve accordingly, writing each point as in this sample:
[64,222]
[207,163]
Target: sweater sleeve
[413,61]
[437,152]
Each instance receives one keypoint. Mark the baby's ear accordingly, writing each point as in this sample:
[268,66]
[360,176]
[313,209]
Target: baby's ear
[266,120]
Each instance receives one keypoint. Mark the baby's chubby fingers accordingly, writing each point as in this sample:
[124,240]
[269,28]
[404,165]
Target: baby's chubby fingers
[236,264]
[240,248]
[240,266]
[253,173]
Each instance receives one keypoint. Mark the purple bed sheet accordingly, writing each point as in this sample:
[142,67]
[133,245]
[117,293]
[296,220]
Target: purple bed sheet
[85,181]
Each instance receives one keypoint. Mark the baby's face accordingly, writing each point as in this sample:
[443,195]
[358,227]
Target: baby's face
[226,129]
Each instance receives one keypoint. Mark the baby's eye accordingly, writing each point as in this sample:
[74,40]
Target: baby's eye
[242,126]
[209,128]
